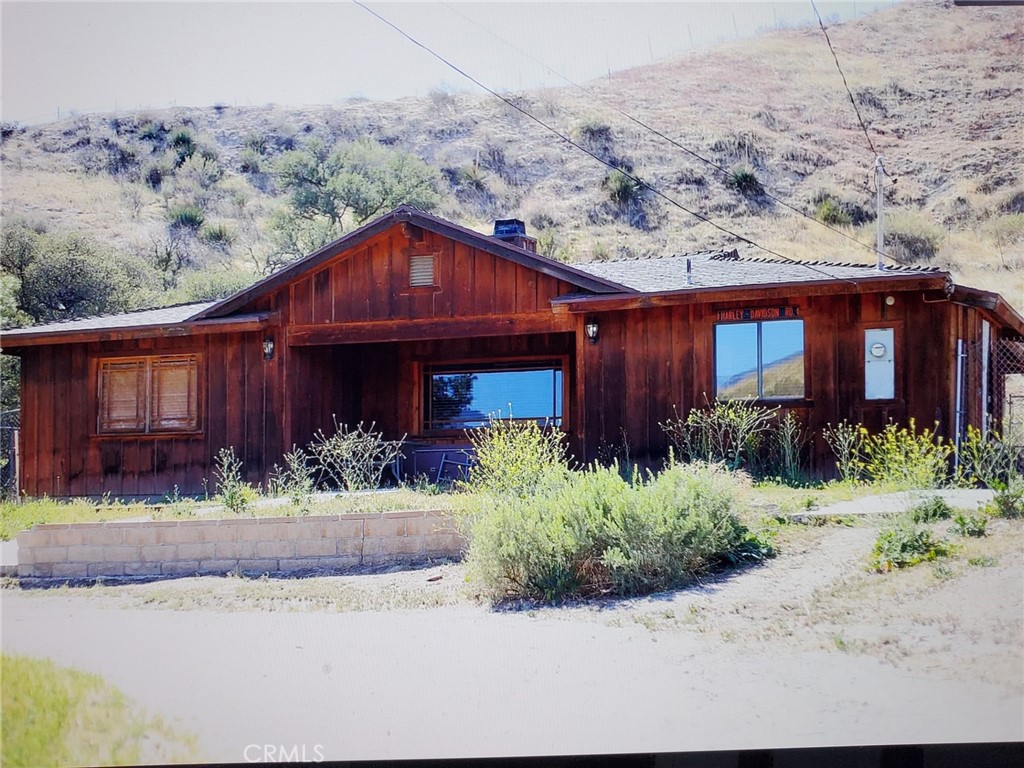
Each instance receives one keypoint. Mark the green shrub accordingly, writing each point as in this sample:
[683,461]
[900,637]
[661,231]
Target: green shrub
[830,211]
[901,457]
[931,509]
[1009,498]
[904,544]
[190,217]
[232,491]
[729,431]
[969,525]
[623,189]
[516,458]
[597,534]
[251,161]
[745,182]
[183,143]
[353,458]
[217,234]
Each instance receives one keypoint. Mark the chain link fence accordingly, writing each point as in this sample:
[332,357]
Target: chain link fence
[1006,395]
[10,423]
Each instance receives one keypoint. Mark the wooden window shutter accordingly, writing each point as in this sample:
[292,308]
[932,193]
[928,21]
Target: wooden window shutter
[173,393]
[421,270]
[122,396]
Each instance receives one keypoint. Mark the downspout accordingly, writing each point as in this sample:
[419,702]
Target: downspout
[958,423]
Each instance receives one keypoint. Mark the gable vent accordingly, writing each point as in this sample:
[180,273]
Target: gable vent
[421,270]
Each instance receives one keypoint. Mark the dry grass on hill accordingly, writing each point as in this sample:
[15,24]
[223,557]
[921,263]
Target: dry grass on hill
[939,86]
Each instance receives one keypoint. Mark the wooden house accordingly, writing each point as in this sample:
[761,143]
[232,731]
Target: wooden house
[424,328]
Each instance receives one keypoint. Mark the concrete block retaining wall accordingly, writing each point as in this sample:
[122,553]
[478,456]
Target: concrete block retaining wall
[249,545]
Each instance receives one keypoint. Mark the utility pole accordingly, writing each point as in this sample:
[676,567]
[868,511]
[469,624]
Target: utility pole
[879,220]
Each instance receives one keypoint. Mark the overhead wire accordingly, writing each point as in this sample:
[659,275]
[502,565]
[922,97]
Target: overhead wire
[637,121]
[567,139]
[853,101]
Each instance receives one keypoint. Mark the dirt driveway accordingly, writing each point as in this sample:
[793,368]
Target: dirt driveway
[808,650]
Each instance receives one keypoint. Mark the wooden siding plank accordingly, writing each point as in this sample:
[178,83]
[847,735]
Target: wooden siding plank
[483,281]
[322,309]
[44,421]
[504,287]
[342,289]
[526,289]
[216,401]
[463,284]
[78,428]
[302,301]
[255,401]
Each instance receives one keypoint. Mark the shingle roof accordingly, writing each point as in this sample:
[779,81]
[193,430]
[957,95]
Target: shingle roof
[720,269]
[161,316]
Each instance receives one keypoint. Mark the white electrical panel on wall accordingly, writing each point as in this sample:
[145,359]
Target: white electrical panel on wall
[879,364]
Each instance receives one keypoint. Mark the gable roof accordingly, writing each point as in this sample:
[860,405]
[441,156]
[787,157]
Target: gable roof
[406,214]
[721,269]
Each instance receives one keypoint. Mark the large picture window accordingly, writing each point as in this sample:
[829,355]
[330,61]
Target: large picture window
[762,360]
[466,396]
[149,394]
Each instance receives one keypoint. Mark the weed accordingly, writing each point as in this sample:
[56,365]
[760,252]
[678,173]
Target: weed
[930,510]
[294,480]
[903,458]
[847,443]
[983,561]
[904,544]
[232,491]
[969,525]
[727,431]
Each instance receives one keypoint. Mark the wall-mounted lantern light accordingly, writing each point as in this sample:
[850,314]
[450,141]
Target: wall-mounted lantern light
[268,348]
[591,330]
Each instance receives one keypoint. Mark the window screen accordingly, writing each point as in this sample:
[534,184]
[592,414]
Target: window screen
[467,397]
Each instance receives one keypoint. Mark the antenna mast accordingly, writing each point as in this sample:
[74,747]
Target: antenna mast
[879,220]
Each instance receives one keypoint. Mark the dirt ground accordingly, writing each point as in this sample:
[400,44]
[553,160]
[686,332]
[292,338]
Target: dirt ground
[808,649]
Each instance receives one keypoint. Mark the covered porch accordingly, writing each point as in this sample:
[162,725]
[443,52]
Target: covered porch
[428,391]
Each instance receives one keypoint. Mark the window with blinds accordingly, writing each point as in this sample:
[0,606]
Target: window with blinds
[149,394]
[421,270]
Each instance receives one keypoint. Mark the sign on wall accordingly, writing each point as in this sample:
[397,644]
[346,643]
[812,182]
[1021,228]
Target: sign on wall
[758,313]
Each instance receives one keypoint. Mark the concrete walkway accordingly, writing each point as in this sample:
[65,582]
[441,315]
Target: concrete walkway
[892,503]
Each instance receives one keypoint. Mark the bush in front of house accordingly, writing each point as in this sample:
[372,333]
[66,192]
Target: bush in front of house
[353,458]
[597,534]
[516,457]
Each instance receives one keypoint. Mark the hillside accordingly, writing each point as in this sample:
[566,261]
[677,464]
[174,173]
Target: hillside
[940,88]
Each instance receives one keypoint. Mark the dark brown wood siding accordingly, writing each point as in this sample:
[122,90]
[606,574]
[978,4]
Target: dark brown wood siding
[63,455]
[652,364]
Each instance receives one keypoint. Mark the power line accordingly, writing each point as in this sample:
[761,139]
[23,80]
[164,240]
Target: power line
[725,171]
[580,147]
[849,93]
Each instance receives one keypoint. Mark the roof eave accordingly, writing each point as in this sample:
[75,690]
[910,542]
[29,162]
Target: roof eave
[697,295]
[13,342]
